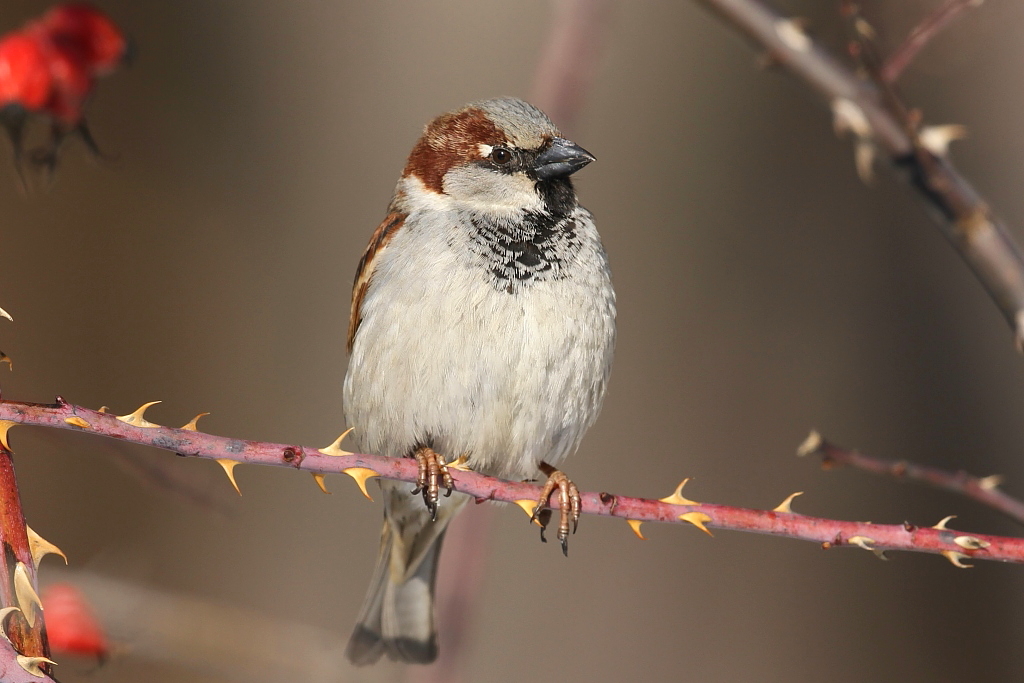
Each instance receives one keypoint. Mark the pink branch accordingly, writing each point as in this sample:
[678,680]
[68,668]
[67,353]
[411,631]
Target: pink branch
[982,489]
[828,532]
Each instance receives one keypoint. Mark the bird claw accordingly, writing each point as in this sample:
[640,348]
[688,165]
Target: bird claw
[432,475]
[568,505]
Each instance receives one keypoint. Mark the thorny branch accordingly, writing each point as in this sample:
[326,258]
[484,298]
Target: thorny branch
[985,490]
[862,108]
[954,545]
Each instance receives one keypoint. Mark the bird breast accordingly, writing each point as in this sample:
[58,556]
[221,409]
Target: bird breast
[477,341]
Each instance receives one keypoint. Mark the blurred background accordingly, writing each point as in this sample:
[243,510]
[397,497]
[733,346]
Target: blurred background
[763,290]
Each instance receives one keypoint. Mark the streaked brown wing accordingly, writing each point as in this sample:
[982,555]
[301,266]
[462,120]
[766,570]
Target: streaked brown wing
[378,242]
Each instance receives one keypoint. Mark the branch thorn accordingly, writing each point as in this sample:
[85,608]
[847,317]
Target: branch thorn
[77,422]
[634,524]
[229,469]
[528,507]
[698,519]
[335,448]
[786,505]
[811,445]
[33,664]
[990,482]
[136,419]
[193,424]
[5,314]
[40,547]
[3,618]
[360,474]
[677,496]
[318,477]
[941,526]
[955,558]
[936,139]
[26,595]
[971,542]
[5,426]
[867,544]
[792,32]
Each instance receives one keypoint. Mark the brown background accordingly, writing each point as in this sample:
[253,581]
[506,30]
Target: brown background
[763,291]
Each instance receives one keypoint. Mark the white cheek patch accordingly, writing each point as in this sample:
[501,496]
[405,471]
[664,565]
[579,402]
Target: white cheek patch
[490,190]
[485,150]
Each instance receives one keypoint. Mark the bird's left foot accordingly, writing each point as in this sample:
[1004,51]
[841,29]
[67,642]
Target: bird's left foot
[568,505]
[433,474]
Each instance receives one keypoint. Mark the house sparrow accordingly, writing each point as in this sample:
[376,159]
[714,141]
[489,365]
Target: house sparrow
[483,325]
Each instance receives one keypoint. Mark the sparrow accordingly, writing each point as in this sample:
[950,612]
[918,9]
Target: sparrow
[482,326]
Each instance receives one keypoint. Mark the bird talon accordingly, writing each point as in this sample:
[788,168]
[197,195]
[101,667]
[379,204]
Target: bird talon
[432,474]
[569,505]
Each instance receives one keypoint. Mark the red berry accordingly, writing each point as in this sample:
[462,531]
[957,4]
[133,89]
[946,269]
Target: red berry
[70,624]
[25,77]
[82,29]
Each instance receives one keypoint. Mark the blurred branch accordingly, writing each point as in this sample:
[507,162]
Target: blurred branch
[922,34]
[672,509]
[569,58]
[982,489]
[862,108]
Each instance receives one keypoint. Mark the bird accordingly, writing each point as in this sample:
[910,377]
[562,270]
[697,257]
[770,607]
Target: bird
[482,327]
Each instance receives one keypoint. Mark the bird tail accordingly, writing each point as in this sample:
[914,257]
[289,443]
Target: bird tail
[397,617]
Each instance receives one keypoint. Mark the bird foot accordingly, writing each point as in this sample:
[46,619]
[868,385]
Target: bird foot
[568,505]
[432,475]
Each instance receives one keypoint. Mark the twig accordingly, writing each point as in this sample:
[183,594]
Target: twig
[982,489]
[922,34]
[974,231]
[672,509]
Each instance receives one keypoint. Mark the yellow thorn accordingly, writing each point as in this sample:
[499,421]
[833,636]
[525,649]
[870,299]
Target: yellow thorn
[941,526]
[3,618]
[864,160]
[6,315]
[192,424]
[460,463]
[32,664]
[136,419]
[25,594]
[360,474]
[335,448]
[102,409]
[77,421]
[971,543]
[40,547]
[936,139]
[4,358]
[868,544]
[634,524]
[785,506]
[990,482]
[229,469]
[319,479]
[698,519]
[677,497]
[863,542]
[5,426]
[955,558]
[528,507]
[811,444]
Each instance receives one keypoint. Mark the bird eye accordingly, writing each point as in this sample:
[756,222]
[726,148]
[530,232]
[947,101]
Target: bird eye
[501,156]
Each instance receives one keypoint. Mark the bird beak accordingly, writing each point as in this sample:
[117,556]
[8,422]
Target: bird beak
[561,158]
